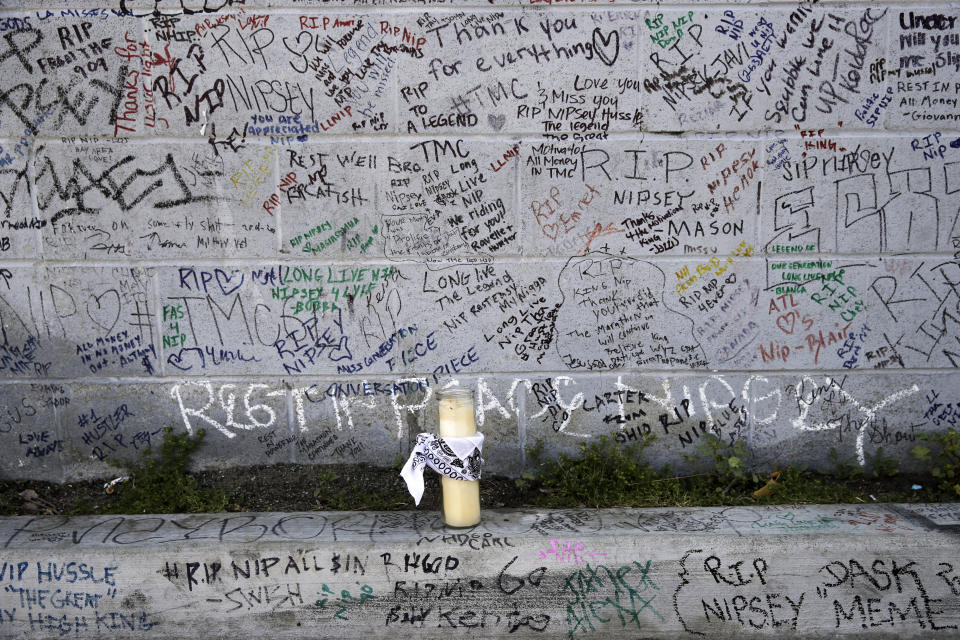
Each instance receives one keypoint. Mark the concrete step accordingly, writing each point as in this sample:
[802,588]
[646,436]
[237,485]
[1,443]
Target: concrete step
[879,571]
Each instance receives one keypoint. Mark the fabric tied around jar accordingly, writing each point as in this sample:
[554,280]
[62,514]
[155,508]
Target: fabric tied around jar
[454,458]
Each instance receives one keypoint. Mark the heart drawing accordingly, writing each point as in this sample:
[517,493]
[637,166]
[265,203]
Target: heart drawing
[606,47]
[227,285]
[104,310]
[784,326]
[177,359]
[547,228]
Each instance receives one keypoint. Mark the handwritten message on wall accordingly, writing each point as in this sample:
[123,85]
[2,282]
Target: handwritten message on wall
[291,225]
[718,572]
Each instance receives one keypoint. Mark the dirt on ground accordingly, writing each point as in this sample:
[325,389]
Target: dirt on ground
[292,487]
[281,487]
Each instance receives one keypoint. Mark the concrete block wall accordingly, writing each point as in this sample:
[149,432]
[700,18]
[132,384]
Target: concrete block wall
[291,223]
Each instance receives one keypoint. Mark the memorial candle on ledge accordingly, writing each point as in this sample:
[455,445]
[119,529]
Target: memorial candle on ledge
[461,498]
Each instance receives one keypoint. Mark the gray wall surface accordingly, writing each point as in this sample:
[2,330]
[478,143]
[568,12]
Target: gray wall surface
[820,571]
[292,223]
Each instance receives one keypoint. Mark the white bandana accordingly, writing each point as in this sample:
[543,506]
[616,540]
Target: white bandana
[456,458]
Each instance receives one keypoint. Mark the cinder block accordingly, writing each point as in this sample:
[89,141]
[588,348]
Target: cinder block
[264,75]
[63,78]
[856,415]
[420,198]
[78,321]
[740,69]
[156,201]
[107,425]
[565,73]
[19,225]
[643,197]
[921,69]
[829,193]
[29,430]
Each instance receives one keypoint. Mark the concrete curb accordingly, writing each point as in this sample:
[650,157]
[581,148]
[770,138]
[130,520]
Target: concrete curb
[811,571]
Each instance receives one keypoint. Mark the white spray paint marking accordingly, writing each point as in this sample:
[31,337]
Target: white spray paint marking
[409,407]
[708,405]
[483,407]
[370,402]
[750,401]
[185,413]
[622,387]
[511,395]
[279,393]
[298,394]
[667,400]
[870,412]
[575,403]
[228,404]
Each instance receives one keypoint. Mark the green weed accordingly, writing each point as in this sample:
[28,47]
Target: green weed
[881,465]
[602,473]
[844,469]
[337,494]
[727,462]
[605,474]
[946,462]
[160,483]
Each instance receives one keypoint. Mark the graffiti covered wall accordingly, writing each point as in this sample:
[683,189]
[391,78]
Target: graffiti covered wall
[291,225]
[813,571]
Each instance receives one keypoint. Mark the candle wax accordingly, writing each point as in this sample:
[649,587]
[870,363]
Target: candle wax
[461,498]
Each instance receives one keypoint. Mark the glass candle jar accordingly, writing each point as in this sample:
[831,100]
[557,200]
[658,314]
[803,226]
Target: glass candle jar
[461,498]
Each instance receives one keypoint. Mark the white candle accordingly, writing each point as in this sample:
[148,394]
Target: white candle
[461,498]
